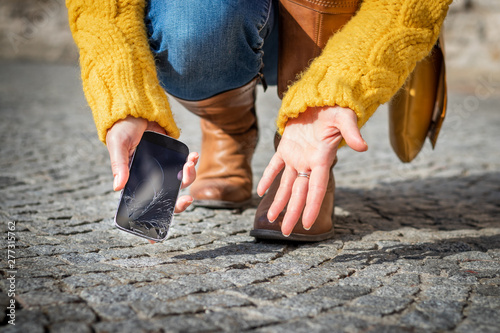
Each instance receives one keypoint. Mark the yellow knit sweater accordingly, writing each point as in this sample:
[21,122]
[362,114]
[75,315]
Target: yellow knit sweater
[118,69]
[361,67]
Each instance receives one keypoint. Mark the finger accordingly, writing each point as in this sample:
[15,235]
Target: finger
[272,170]
[317,189]
[282,194]
[189,170]
[183,203]
[295,205]
[193,156]
[119,156]
[351,134]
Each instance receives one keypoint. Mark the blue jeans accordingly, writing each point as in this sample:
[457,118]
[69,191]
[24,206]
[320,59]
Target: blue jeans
[203,48]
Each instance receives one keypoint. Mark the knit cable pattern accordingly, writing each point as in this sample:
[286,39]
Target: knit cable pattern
[364,64]
[117,67]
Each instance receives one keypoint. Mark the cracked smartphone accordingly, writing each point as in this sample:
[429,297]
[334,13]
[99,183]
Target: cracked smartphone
[148,199]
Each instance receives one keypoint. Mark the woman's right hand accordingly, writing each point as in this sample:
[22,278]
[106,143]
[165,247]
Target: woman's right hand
[122,139]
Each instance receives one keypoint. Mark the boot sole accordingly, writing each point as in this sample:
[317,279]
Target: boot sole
[221,204]
[277,235]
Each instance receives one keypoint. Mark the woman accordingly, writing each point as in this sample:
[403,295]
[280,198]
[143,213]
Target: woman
[211,54]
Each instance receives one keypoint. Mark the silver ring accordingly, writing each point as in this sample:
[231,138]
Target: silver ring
[304,174]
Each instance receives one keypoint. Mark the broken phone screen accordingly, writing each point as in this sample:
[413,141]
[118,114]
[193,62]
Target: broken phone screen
[148,200]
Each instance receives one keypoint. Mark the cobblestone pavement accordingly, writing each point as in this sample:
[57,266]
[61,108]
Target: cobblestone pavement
[417,248]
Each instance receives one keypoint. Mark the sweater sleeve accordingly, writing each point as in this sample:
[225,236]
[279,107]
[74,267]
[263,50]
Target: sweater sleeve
[364,64]
[117,67]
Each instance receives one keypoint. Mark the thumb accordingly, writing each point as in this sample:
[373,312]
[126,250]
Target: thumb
[119,156]
[121,140]
[351,134]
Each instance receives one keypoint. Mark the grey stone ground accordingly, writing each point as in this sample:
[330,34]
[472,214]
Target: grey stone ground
[417,249]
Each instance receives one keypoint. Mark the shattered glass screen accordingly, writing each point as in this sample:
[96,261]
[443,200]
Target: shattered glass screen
[148,200]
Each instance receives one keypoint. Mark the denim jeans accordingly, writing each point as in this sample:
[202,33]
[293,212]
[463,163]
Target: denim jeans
[203,47]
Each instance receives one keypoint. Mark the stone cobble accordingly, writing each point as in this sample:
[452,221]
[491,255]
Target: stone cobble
[417,246]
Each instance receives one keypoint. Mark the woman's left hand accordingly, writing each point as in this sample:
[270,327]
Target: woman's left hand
[309,144]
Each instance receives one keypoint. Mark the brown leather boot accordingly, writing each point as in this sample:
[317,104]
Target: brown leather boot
[322,229]
[229,136]
[304,29]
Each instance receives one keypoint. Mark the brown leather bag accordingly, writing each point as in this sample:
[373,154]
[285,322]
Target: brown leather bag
[416,111]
